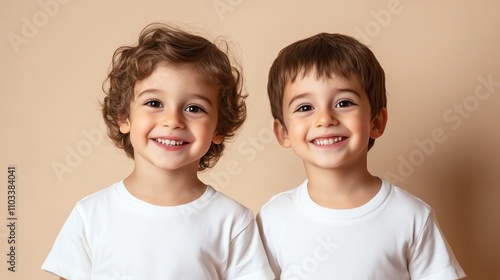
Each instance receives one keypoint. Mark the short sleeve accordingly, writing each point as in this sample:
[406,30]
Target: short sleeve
[69,257]
[247,258]
[267,246]
[432,257]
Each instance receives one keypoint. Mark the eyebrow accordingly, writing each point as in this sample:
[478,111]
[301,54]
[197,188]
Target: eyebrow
[305,94]
[302,95]
[148,91]
[199,96]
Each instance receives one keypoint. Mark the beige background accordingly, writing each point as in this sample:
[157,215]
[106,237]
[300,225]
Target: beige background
[441,143]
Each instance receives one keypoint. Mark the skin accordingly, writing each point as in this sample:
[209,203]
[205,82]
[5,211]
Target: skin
[327,123]
[171,105]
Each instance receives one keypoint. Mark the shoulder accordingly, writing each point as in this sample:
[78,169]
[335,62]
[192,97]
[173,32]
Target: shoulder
[227,210]
[228,205]
[229,216]
[408,203]
[100,199]
[281,199]
[280,205]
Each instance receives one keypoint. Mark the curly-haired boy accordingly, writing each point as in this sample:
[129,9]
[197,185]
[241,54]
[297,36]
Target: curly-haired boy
[171,102]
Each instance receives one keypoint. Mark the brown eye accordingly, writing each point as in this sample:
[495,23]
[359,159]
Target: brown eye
[304,108]
[194,109]
[343,103]
[154,103]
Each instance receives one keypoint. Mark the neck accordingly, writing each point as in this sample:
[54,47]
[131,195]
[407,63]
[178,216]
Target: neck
[165,187]
[341,189]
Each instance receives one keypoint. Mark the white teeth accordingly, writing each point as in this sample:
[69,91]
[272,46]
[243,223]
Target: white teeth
[168,142]
[329,141]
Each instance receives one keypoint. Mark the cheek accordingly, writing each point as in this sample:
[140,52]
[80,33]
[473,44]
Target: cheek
[361,124]
[297,129]
[141,122]
[206,128]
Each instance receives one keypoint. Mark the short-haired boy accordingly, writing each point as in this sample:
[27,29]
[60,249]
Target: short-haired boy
[328,99]
[171,102]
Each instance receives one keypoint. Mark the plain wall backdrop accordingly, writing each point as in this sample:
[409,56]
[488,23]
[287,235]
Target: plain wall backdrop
[443,78]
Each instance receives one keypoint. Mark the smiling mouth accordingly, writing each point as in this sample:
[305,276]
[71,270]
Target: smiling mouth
[328,141]
[168,142]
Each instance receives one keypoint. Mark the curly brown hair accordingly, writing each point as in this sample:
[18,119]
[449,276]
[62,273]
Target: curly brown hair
[327,54]
[159,42]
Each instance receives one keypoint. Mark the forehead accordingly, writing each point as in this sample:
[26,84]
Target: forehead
[170,77]
[311,82]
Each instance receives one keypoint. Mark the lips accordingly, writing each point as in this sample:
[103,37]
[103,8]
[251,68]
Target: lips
[170,142]
[328,141]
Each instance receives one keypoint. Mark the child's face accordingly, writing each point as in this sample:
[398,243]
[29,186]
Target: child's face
[328,121]
[173,118]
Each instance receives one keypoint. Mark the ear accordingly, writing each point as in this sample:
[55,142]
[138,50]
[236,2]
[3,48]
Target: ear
[281,134]
[217,138]
[125,126]
[378,124]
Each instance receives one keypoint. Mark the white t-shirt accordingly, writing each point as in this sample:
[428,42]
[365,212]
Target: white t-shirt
[393,236]
[113,235]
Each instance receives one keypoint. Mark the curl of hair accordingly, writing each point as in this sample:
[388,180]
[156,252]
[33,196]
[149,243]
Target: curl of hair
[160,43]
[326,54]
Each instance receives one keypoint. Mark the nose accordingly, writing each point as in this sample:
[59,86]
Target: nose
[325,118]
[172,119]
